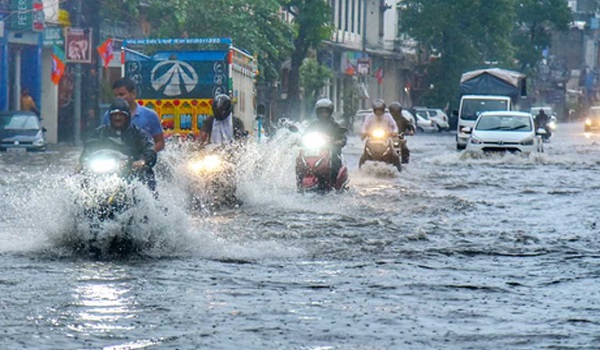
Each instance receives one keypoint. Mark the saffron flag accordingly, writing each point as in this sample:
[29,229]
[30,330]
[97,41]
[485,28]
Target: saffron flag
[58,64]
[106,51]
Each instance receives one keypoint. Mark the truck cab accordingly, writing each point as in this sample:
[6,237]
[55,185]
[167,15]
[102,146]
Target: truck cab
[471,106]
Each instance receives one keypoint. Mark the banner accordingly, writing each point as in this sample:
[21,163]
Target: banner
[175,79]
[78,45]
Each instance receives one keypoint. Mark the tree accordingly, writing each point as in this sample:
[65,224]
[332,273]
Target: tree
[313,77]
[312,25]
[463,34]
[536,19]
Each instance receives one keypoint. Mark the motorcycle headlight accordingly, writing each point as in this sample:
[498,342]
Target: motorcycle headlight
[314,140]
[103,165]
[527,142]
[378,133]
[476,141]
[207,164]
[588,122]
[552,125]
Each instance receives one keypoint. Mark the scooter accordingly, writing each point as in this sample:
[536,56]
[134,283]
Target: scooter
[314,171]
[105,194]
[212,179]
[382,147]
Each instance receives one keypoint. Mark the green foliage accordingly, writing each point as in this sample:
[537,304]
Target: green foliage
[535,21]
[313,76]
[312,24]
[464,33]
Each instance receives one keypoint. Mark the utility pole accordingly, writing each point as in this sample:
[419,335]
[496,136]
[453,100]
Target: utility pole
[77,92]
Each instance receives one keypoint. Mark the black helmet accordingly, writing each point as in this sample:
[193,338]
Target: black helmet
[395,108]
[324,105]
[378,105]
[222,106]
[120,106]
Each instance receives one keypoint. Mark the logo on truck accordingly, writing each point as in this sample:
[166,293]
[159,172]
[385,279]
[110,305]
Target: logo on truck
[179,77]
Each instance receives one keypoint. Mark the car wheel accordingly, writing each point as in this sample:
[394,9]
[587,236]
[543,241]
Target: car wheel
[420,129]
[460,147]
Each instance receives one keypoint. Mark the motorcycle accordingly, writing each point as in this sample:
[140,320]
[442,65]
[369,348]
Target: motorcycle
[211,179]
[105,193]
[314,165]
[382,147]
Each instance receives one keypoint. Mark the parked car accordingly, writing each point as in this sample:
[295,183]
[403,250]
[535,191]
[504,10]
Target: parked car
[425,125]
[504,131]
[592,120]
[21,131]
[436,115]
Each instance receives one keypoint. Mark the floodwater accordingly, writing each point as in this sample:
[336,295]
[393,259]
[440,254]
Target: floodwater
[456,252]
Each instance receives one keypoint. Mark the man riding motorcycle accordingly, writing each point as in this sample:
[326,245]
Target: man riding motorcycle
[327,125]
[130,139]
[404,127]
[379,119]
[222,127]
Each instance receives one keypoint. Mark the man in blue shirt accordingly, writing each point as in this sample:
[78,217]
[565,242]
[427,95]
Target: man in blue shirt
[145,118]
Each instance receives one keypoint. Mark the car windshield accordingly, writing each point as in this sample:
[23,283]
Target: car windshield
[503,123]
[19,122]
[472,108]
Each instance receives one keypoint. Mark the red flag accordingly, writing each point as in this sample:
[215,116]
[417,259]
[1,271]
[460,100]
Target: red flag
[106,51]
[58,64]
[379,75]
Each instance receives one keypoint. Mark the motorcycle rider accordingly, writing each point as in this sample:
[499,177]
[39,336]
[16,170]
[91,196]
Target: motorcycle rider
[130,139]
[404,126]
[541,120]
[327,125]
[222,127]
[379,118]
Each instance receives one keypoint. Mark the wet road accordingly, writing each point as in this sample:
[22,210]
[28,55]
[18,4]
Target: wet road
[457,252]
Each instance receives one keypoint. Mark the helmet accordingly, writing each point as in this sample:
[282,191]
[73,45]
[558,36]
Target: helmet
[395,108]
[120,106]
[323,106]
[222,106]
[378,106]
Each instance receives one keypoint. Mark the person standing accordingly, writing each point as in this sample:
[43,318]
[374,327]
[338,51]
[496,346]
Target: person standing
[145,118]
[27,102]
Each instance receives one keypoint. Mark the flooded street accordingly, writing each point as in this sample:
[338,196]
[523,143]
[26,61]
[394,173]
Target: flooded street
[456,252]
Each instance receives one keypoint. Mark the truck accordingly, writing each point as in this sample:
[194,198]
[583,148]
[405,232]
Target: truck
[178,78]
[492,89]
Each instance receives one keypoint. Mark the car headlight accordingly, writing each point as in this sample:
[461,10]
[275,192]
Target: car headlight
[378,133]
[588,122]
[527,142]
[476,141]
[314,140]
[208,164]
[39,142]
[103,165]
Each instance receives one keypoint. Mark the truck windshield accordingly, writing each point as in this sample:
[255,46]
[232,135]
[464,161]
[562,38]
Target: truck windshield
[472,108]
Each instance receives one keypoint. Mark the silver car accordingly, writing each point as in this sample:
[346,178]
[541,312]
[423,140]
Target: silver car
[21,131]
